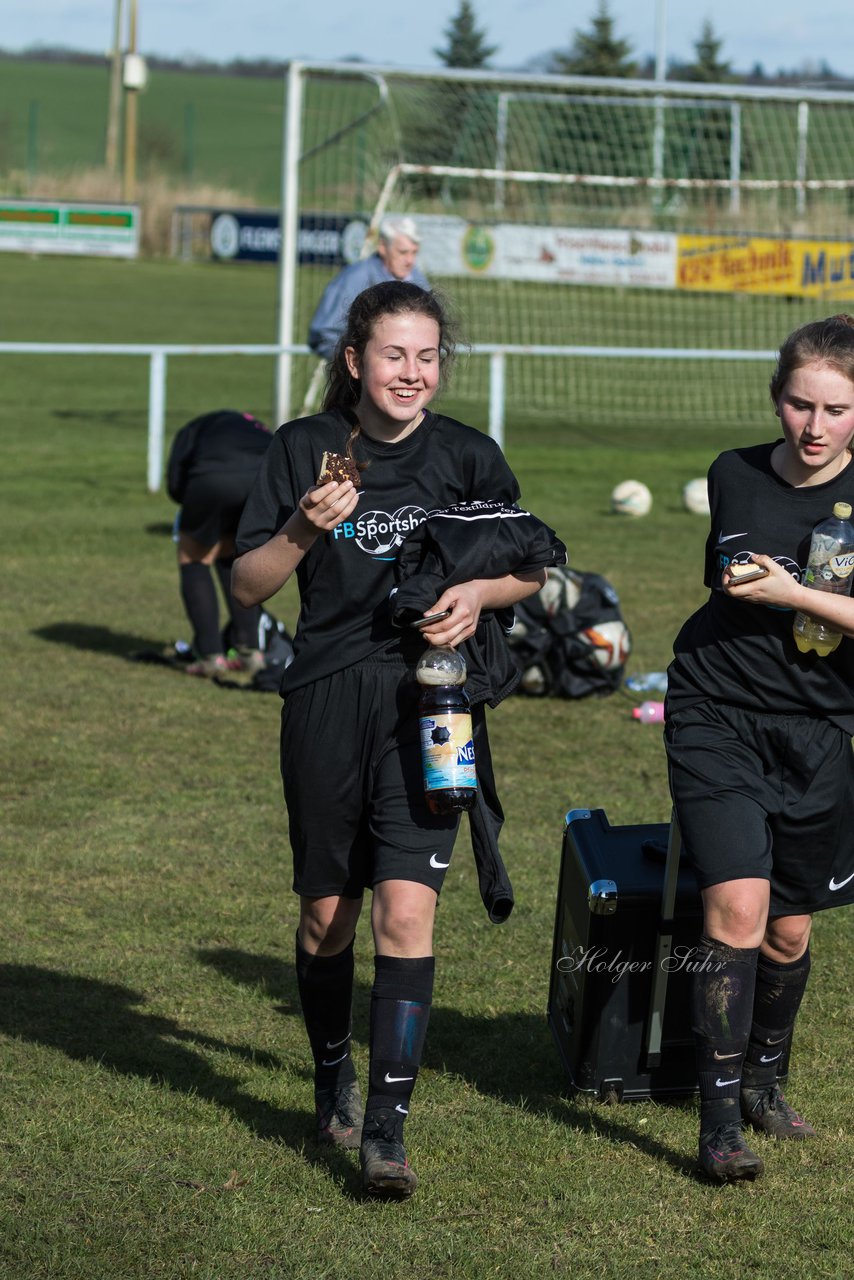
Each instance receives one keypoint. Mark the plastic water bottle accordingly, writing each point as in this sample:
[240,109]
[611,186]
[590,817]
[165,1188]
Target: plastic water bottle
[447,749]
[648,682]
[829,569]
[649,713]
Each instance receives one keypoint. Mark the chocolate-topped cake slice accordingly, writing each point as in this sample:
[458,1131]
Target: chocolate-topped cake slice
[337,466]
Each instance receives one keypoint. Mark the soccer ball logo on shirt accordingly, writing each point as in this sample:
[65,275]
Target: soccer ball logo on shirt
[377,533]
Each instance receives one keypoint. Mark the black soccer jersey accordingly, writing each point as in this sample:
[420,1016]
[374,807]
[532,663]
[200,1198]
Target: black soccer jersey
[743,653]
[347,575]
[224,442]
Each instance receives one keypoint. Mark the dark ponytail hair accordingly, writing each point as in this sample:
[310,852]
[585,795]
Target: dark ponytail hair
[830,341]
[391,298]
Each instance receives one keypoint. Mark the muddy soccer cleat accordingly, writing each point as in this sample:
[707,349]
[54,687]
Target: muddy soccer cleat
[386,1172]
[250,661]
[216,664]
[768,1111]
[726,1157]
[339,1116]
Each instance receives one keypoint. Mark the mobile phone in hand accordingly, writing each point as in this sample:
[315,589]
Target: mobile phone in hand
[429,618]
[747,572]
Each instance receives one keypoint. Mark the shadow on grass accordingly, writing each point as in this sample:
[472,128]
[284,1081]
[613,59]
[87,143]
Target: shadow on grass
[128,418]
[510,1057]
[100,1022]
[96,639]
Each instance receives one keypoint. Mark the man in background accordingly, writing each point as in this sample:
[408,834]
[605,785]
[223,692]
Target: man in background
[394,259]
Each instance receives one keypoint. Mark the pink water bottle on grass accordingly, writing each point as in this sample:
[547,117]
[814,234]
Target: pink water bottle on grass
[649,713]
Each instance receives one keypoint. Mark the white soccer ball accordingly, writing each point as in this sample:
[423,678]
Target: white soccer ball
[695,496]
[534,682]
[631,498]
[561,591]
[610,644]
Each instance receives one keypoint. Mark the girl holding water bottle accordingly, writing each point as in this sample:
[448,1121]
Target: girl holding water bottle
[758,738]
[350,752]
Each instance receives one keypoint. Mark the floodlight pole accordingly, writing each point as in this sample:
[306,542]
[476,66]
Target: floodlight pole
[288,238]
[131,90]
[114,107]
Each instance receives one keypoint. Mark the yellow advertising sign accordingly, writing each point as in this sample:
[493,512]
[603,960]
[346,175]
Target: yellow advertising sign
[753,264]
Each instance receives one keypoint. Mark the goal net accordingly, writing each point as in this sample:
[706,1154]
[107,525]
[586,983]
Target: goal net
[666,235]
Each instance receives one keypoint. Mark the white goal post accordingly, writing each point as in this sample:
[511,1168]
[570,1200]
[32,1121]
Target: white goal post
[644,215]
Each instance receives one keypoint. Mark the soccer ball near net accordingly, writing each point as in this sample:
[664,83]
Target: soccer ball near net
[631,498]
[695,496]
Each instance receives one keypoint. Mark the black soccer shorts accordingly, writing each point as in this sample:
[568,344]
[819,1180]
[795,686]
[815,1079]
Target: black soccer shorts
[213,504]
[351,768]
[768,796]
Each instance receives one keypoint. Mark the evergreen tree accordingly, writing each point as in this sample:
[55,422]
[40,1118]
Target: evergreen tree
[707,68]
[466,45]
[598,52]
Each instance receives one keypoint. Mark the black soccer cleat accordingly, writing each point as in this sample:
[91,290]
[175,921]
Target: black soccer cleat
[726,1157]
[768,1111]
[339,1116]
[386,1172]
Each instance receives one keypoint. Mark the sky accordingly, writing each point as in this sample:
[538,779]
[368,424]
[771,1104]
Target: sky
[780,34]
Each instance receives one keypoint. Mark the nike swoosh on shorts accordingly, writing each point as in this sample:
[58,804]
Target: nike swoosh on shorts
[833,886]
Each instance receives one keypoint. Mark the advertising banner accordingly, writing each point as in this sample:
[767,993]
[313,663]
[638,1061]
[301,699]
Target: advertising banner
[96,230]
[753,264]
[250,235]
[506,251]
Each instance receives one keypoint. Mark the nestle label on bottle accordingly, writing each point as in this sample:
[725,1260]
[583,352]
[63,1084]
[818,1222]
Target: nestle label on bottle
[841,566]
[447,751]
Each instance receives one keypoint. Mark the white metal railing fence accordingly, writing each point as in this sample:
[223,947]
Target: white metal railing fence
[158,354]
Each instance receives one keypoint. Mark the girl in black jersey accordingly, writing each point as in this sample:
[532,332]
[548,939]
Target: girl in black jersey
[212,466]
[349,751]
[758,739]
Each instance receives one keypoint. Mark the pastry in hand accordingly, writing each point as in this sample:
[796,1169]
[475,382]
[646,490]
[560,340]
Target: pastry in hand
[337,466]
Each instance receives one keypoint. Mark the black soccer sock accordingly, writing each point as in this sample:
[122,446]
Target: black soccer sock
[326,995]
[722,1011]
[244,622]
[400,1010]
[779,991]
[200,600]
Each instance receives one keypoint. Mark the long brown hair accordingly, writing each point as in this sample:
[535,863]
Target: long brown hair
[391,298]
[830,341]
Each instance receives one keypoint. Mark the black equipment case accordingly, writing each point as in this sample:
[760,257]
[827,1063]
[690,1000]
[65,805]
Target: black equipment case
[628,922]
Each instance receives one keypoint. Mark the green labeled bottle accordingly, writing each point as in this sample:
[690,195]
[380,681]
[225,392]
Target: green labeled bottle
[829,569]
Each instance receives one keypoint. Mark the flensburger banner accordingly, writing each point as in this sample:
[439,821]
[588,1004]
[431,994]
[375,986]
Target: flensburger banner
[250,235]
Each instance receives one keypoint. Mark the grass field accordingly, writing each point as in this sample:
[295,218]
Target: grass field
[223,130]
[156,1102]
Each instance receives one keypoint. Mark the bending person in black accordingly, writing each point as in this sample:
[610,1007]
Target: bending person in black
[758,739]
[212,466]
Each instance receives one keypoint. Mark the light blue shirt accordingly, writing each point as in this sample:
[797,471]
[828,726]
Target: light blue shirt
[328,321]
